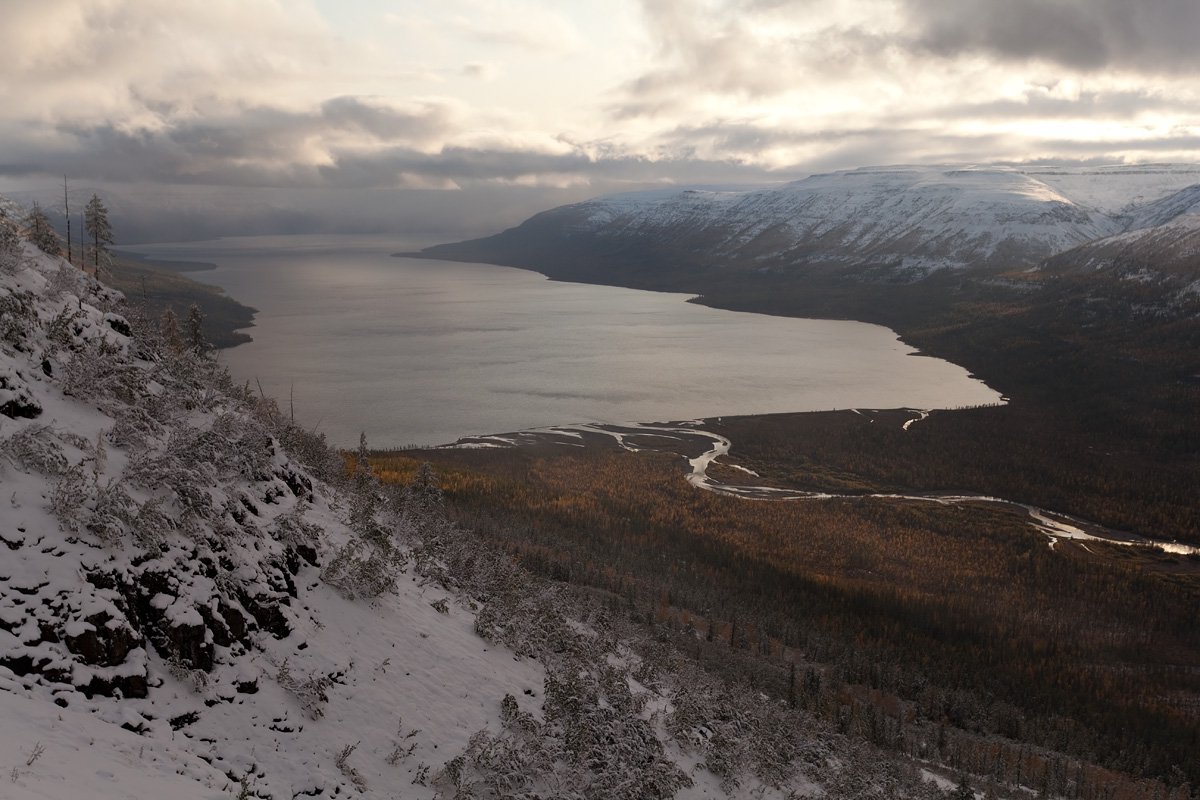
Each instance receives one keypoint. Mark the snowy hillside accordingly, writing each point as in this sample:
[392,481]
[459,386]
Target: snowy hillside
[902,221]
[196,602]
[1157,263]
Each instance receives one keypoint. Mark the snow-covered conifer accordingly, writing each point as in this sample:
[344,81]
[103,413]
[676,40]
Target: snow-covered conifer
[41,233]
[195,331]
[10,246]
[95,216]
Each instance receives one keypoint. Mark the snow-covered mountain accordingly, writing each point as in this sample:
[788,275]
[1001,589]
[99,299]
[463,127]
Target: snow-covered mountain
[196,602]
[1157,261]
[901,221]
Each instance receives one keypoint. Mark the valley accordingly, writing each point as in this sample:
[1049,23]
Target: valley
[1093,344]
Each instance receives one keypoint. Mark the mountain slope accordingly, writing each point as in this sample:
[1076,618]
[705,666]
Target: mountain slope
[1153,269]
[900,223]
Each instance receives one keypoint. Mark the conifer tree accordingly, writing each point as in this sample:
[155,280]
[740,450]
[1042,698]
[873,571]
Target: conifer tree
[364,494]
[95,216]
[40,232]
[170,330]
[195,331]
[10,244]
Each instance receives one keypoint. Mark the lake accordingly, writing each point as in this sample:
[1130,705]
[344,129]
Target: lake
[425,352]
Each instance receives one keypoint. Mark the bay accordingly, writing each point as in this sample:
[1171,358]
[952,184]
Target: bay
[418,352]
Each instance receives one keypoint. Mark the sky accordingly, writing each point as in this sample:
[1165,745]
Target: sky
[445,118]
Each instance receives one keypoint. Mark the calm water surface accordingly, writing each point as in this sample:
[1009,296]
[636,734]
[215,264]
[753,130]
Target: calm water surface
[424,352]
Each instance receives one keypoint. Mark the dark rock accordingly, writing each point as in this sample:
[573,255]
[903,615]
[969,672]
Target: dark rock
[235,621]
[308,553]
[183,720]
[267,614]
[18,408]
[118,324]
[188,643]
[221,634]
[105,645]
[300,485]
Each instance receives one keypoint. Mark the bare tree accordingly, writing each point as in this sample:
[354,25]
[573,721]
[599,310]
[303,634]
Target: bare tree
[67,216]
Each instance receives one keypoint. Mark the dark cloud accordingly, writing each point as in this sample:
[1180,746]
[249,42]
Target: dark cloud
[1141,36]
[421,122]
[250,146]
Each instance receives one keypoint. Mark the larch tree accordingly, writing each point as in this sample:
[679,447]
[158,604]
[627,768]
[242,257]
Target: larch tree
[95,222]
[169,328]
[10,245]
[40,232]
[195,331]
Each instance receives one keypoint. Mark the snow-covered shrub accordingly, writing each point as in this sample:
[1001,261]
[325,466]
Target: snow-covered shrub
[16,398]
[112,512]
[65,280]
[590,741]
[310,691]
[133,426]
[292,530]
[84,502]
[184,467]
[150,523]
[35,447]
[11,251]
[60,330]
[240,446]
[422,504]
[99,372]
[531,624]
[310,449]
[68,498]
[342,762]
[363,570]
[18,318]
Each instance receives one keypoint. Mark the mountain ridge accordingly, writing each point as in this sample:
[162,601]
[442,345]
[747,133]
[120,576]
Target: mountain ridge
[896,223]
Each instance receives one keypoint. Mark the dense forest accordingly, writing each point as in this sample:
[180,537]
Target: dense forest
[941,631]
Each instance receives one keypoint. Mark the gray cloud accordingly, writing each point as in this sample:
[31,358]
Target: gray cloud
[723,51]
[1120,104]
[1147,35]
[250,146]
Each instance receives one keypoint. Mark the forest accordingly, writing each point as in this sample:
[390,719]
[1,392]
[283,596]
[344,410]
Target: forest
[953,631]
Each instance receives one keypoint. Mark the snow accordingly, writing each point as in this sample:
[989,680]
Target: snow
[910,219]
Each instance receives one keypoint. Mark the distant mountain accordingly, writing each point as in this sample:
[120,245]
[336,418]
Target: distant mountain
[895,223]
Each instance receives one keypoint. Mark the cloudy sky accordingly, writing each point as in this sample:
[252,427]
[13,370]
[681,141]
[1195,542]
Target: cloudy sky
[441,117]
